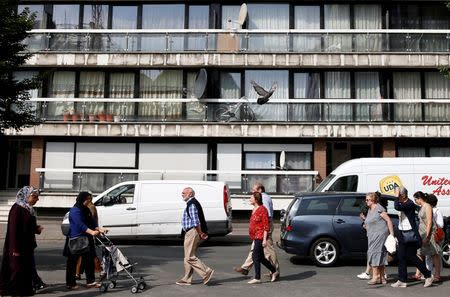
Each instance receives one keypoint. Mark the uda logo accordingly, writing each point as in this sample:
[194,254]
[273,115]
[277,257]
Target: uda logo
[389,183]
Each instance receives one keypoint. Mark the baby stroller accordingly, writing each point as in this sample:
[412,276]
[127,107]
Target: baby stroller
[115,262]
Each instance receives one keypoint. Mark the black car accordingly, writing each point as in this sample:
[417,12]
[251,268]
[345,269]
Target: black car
[327,226]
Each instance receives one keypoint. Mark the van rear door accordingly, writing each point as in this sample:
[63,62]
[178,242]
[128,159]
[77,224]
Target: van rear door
[117,210]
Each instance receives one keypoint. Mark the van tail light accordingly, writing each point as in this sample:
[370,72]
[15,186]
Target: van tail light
[289,228]
[226,200]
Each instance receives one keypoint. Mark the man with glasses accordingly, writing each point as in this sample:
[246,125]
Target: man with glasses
[269,250]
[194,230]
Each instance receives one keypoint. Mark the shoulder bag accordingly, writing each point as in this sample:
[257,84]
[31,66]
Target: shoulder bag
[79,245]
[410,236]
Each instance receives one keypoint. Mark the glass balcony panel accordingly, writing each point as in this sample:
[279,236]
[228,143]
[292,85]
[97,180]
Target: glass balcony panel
[338,112]
[305,112]
[123,42]
[269,42]
[290,184]
[65,42]
[97,42]
[434,43]
[437,112]
[307,43]
[36,42]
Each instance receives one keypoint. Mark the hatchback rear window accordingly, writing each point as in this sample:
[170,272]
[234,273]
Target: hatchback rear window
[318,206]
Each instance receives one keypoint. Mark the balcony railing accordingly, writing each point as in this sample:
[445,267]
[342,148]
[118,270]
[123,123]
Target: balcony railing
[239,182]
[247,41]
[123,110]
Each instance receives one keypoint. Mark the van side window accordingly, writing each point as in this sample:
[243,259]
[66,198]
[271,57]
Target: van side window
[121,195]
[318,206]
[347,183]
[351,206]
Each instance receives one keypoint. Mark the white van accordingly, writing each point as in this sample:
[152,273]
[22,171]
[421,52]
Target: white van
[429,175]
[144,209]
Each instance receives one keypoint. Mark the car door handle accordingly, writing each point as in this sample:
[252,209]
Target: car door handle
[340,221]
[131,208]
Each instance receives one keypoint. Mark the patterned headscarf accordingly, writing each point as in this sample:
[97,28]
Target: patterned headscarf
[22,197]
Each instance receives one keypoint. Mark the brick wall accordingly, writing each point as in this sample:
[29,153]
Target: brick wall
[37,158]
[389,148]
[320,157]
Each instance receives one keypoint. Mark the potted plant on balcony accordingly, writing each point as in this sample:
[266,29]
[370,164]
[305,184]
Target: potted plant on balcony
[102,117]
[92,118]
[67,114]
[75,117]
[109,117]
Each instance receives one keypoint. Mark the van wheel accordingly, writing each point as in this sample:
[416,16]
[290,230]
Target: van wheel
[446,254]
[324,252]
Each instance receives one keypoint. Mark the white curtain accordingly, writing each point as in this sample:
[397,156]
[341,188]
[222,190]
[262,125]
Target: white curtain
[337,86]
[92,85]
[230,12]
[124,17]
[439,151]
[62,85]
[265,78]
[230,85]
[368,17]
[337,16]
[162,16]
[306,86]
[198,19]
[437,87]
[407,86]
[195,111]
[367,86]
[161,84]
[121,86]
[307,17]
[270,17]
[411,152]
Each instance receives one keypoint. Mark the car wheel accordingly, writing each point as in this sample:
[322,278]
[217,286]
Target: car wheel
[446,254]
[324,252]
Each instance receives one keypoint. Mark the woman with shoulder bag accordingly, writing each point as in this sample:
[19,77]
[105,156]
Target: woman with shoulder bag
[80,242]
[408,240]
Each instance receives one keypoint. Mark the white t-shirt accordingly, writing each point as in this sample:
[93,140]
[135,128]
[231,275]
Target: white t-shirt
[403,222]
[438,217]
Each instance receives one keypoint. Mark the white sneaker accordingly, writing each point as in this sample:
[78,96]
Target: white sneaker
[254,281]
[428,281]
[363,275]
[399,284]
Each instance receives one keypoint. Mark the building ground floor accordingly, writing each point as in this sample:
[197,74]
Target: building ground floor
[285,166]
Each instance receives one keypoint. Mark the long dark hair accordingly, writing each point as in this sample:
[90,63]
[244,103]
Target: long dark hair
[87,216]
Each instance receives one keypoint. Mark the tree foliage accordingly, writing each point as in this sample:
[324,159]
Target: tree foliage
[15,110]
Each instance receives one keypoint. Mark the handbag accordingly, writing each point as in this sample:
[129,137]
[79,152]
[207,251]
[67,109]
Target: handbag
[410,236]
[439,234]
[79,245]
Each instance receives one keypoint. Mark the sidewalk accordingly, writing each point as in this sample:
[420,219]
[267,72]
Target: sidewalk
[52,230]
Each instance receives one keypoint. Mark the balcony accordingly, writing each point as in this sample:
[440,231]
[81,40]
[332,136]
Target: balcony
[126,110]
[239,41]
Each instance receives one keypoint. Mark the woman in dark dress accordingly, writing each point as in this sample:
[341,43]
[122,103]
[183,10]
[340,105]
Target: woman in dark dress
[16,277]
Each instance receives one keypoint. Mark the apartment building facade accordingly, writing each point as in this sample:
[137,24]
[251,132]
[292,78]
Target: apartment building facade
[163,90]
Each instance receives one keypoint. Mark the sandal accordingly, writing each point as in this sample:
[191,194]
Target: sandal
[415,277]
[437,279]
[93,285]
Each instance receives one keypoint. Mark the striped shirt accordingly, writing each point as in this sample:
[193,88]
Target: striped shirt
[192,220]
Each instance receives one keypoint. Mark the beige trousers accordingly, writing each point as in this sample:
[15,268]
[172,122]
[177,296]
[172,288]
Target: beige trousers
[269,253]
[191,262]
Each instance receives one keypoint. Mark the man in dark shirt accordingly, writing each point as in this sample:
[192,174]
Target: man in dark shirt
[194,229]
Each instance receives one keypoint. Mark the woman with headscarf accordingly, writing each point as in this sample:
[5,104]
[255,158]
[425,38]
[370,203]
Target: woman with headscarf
[81,224]
[16,277]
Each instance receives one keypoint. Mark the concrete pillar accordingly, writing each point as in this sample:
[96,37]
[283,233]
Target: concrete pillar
[320,158]
[388,150]
[37,159]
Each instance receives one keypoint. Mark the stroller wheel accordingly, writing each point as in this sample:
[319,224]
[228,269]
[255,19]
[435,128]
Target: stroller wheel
[134,289]
[112,284]
[104,288]
[142,285]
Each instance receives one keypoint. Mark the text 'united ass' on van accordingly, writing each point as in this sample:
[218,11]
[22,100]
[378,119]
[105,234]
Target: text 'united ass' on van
[145,209]
[428,174]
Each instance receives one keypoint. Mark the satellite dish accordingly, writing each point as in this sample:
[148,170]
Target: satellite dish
[200,83]
[282,160]
[242,14]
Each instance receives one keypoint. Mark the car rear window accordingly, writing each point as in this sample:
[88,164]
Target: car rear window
[318,206]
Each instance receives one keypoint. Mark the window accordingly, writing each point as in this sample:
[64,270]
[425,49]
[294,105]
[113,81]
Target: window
[95,17]
[40,21]
[345,184]
[260,161]
[65,16]
[367,85]
[230,15]
[436,87]
[230,85]
[162,16]
[61,85]
[411,151]
[121,86]
[307,17]
[124,17]
[351,206]
[120,195]
[337,16]
[318,206]
[306,86]
[338,86]
[198,19]
[407,86]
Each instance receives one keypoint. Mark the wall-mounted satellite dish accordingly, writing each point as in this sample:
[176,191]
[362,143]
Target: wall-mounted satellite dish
[242,14]
[200,83]
[241,17]
[283,160]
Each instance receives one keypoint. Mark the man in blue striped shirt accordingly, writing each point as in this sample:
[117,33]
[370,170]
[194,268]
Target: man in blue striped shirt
[195,230]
